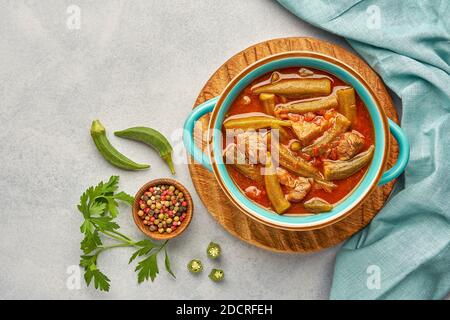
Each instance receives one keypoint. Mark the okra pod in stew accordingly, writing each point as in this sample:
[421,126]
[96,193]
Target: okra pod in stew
[298,142]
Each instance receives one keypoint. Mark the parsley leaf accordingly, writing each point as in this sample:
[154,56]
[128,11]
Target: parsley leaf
[125,197]
[112,207]
[167,263]
[147,268]
[112,185]
[90,242]
[97,208]
[104,223]
[83,206]
[95,200]
[87,227]
[101,281]
[107,188]
[146,245]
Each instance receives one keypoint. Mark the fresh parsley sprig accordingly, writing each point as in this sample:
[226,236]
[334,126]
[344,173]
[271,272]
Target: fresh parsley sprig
[99,207]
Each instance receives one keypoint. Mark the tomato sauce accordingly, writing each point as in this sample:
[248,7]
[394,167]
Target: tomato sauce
[362,124]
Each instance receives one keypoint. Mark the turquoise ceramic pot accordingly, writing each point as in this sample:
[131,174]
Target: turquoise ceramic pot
[375,176]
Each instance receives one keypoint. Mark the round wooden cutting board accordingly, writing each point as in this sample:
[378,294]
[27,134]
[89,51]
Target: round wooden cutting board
[236,222]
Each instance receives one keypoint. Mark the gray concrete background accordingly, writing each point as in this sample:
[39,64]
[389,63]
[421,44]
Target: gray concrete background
[131,63]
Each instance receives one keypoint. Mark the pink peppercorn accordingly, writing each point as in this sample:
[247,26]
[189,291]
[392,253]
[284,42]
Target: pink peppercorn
[184,203]
[152,219]
[146,210]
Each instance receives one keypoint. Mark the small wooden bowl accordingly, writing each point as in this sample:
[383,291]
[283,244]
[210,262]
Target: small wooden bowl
[144,228]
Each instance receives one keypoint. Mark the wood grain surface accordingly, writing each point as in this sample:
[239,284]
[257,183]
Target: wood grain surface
[236,222]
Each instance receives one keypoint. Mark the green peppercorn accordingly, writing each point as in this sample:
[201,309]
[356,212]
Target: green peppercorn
[216,275]
[213,251]
[195,266]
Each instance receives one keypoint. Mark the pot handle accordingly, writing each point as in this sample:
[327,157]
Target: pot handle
[188,132]
[403,155]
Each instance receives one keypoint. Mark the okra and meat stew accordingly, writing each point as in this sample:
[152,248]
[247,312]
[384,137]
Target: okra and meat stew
[297,141]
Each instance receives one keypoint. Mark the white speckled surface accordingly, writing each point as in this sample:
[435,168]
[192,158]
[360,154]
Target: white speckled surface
[134,63]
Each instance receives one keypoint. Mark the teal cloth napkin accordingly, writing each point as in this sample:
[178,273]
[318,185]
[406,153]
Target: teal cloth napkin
[405,251]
